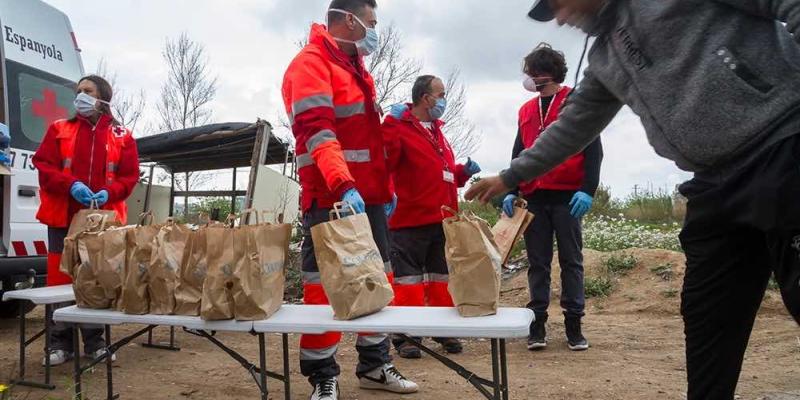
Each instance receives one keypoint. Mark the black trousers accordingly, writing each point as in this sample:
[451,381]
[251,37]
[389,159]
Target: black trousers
[742,226]
[555,219]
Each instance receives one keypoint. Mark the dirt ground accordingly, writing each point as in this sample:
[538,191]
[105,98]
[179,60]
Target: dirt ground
[635,333]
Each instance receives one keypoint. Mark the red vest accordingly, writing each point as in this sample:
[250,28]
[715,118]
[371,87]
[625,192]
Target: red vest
[54,207]
[568,175]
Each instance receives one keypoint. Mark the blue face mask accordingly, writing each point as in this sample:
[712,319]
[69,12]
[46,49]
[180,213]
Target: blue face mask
[437,112]
[369,43]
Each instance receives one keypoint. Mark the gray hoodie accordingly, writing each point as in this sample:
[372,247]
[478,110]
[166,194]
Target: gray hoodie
[713,81]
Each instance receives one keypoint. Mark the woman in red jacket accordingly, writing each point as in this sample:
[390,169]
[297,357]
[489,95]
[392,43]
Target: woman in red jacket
[87,159]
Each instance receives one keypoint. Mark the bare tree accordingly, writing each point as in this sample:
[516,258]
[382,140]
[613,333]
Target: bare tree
[185,96]
[128,108]
[188,88]
[463,135]
[393,72]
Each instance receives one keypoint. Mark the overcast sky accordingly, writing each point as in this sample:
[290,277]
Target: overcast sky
[250,43]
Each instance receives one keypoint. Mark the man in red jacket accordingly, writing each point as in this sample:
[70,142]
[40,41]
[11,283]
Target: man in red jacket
[330,99]
[426,177]
[558,199]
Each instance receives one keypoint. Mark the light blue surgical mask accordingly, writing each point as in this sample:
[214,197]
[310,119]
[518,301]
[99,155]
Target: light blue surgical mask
[86,105]
[369,43]
[437,112]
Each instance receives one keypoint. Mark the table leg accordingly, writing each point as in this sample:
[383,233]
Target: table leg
[21,340]
[504,369]
[48,320]
[262,359]
[495,370]
[109,375]
[76,349]
[287,390]
[172,336]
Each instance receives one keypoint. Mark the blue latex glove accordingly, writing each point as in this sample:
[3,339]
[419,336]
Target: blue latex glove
[4,160]
[580,203]
[397,110]
[471,167]
[389,207]
[353,198]
[101,198]
[508,204]
[81,193]
[5,137]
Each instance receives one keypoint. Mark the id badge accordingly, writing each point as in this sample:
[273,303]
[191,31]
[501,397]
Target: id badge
[449,177]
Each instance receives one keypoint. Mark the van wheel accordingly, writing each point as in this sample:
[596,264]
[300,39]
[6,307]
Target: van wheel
[10,309]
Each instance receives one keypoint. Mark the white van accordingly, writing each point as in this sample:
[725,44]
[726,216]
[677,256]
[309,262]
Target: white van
[40,64]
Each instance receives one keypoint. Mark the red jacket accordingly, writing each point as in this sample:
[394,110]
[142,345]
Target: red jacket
[567,176]
[85,166]
[424,171]
[330,99]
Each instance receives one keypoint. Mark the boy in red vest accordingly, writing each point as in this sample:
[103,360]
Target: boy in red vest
[558,199]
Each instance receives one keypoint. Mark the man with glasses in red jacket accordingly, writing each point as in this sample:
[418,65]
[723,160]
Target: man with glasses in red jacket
[426,177]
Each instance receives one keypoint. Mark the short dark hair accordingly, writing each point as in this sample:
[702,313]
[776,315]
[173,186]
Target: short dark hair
[353,6]
[545,60]
[422,86]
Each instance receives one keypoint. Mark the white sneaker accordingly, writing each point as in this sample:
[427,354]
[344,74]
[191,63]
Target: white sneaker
[389,379]
[57,357]
[99,353]
[326,390]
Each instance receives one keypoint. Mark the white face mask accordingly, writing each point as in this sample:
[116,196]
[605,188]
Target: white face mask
[368,44]
[535,85]
[86,105]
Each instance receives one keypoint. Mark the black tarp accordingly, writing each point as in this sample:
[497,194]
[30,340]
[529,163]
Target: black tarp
[210,147]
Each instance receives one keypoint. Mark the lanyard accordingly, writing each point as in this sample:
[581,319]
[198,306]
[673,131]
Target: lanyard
[544,116]
[432,140]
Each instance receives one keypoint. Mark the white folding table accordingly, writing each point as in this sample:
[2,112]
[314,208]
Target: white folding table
[47,296]
[408,322]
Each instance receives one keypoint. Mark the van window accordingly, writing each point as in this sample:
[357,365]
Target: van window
[35,100]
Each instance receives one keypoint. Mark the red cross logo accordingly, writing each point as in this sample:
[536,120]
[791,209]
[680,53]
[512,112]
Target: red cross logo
[48,108]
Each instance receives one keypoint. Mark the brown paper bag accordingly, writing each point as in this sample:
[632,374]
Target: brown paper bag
[194,266]
[93,285]
[223,249]
[165,260]
[473,263]
[508,230]
[135,296]
[259,276]
[80,222]
[111,266]
[350,265]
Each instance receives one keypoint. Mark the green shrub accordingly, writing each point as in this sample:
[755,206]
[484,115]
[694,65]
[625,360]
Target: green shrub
[486,212]
[664,271]
[649,206]
[597,287]
[619,264]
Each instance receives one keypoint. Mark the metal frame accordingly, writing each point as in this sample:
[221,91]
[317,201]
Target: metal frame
[258,372]
[499,382]
[171,346]
[24,343]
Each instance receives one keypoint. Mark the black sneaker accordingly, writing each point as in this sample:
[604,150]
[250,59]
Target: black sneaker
[326,390]
[537,339]
[575,339]
[450,345]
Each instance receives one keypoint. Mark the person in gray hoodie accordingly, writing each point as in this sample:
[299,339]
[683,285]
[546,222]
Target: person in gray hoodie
[716,84]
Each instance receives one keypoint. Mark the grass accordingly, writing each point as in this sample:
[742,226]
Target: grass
[664,271]
[597,287]
[619,264]
[670,293]
[773,284]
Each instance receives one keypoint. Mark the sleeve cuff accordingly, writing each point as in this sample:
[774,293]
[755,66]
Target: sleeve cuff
[344,187]
[510,179]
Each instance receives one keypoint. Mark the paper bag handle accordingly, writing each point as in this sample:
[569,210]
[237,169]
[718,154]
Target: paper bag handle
[203,216]
[276,220]
[446,209]
[243,220]
[231,220]
[143,218]
[338,207]
[94,223]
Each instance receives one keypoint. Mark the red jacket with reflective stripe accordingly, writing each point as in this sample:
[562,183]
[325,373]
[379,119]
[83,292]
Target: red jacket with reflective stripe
[330,99]
[568,175]
[104,157]
[425,175]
